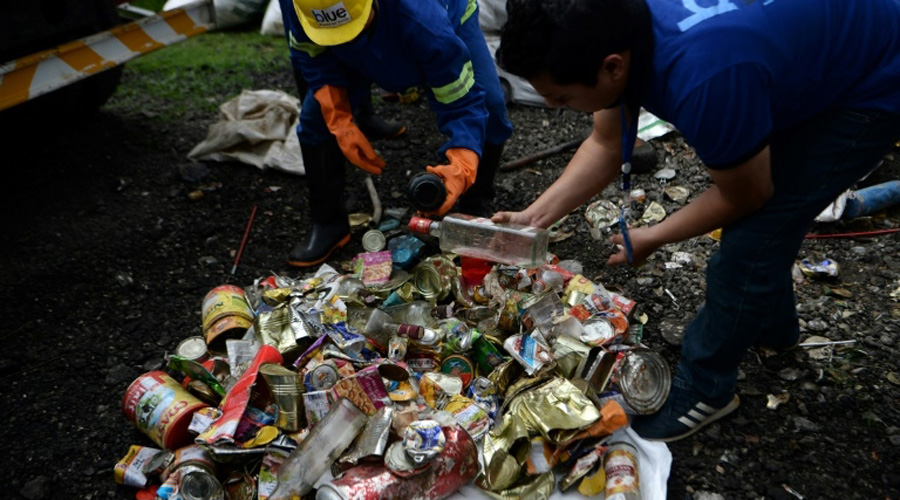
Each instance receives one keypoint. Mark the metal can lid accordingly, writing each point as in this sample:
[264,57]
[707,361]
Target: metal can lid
[373,240]
[428,282]
[643,378]
[193,348]
[323,377]
[459,366]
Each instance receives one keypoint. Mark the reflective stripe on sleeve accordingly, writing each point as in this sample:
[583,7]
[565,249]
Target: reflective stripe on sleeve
[454,90]
[310,48]
[470,9]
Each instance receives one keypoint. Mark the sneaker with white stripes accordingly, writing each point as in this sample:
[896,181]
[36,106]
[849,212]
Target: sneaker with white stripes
[683,414]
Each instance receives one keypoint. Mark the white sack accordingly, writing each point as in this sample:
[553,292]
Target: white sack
[229,13]
[259,128]
[272,23]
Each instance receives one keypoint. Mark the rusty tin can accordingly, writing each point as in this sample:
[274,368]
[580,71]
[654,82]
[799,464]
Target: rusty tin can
[193,349]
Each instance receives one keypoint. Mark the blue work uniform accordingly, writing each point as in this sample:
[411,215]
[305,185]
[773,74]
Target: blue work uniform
[731,73]
[818,82]
[436,44]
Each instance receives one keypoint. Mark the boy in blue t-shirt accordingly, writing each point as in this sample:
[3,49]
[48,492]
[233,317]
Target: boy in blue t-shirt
[787,102]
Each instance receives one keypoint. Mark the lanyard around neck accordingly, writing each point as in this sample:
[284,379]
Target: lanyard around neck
[629,137]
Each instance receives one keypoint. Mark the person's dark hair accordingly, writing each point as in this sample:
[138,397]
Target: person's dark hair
[568,39]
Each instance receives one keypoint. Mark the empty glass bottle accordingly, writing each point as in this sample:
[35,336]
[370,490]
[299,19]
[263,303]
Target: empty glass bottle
[513,244]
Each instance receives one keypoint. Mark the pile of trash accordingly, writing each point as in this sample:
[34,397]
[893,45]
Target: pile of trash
[406,375]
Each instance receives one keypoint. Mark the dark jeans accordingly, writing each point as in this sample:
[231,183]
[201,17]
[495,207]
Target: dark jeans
[749,291]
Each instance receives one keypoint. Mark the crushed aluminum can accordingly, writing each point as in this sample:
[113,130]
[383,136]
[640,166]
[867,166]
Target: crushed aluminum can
[644,380]
[531,354]
[373,240]
[654,213]
[397,348]
[437,388]
[677,194]
[471,415]
[455,467]
[826,268]
[373,440]
[423,441]
[601,214]
[129,471]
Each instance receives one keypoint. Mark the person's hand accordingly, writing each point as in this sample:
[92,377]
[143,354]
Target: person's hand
[643,244]
[358,150]
[522,218]
[339,119]
[458,176]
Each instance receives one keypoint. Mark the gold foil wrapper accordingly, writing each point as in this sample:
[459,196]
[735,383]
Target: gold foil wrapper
[539,489]
[276,296]
[548,410]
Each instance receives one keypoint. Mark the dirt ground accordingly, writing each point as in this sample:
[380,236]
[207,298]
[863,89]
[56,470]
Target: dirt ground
[106,260]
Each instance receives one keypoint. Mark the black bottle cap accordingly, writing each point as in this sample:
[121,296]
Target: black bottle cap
[426,191]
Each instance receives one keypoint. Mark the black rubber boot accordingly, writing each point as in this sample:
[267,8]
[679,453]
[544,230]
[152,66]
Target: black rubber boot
[644,158]
[330,230]
[373,126]
[478,199]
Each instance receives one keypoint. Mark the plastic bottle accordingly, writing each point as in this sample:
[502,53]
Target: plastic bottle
[513,244]
[419,312]
[377,324]
[325,442]
[547,280]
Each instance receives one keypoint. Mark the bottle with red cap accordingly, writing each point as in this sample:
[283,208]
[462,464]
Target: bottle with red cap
[514,244]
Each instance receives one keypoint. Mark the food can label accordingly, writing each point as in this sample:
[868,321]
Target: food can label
[130,470]
[621,472]
[157,405]
[222,301]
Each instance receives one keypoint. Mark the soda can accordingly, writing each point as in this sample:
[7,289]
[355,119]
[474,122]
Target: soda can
[643,378]
[161,409]
[193,349]
[454,467]
[225,314]
[373,240]
[423,441]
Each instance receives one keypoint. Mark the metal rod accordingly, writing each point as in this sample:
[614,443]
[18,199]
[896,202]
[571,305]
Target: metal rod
[237,258]
[540,155]
[823,344]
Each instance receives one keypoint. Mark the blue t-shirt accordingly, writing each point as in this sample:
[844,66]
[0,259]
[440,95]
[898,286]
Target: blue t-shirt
[728,73]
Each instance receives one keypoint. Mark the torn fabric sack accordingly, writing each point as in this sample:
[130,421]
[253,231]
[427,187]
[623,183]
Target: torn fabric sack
[257,127]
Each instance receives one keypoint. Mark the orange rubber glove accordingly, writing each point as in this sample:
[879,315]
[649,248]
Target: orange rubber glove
[339,118]
[458,176]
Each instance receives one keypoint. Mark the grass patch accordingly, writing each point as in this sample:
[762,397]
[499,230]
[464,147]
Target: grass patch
[199,74]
